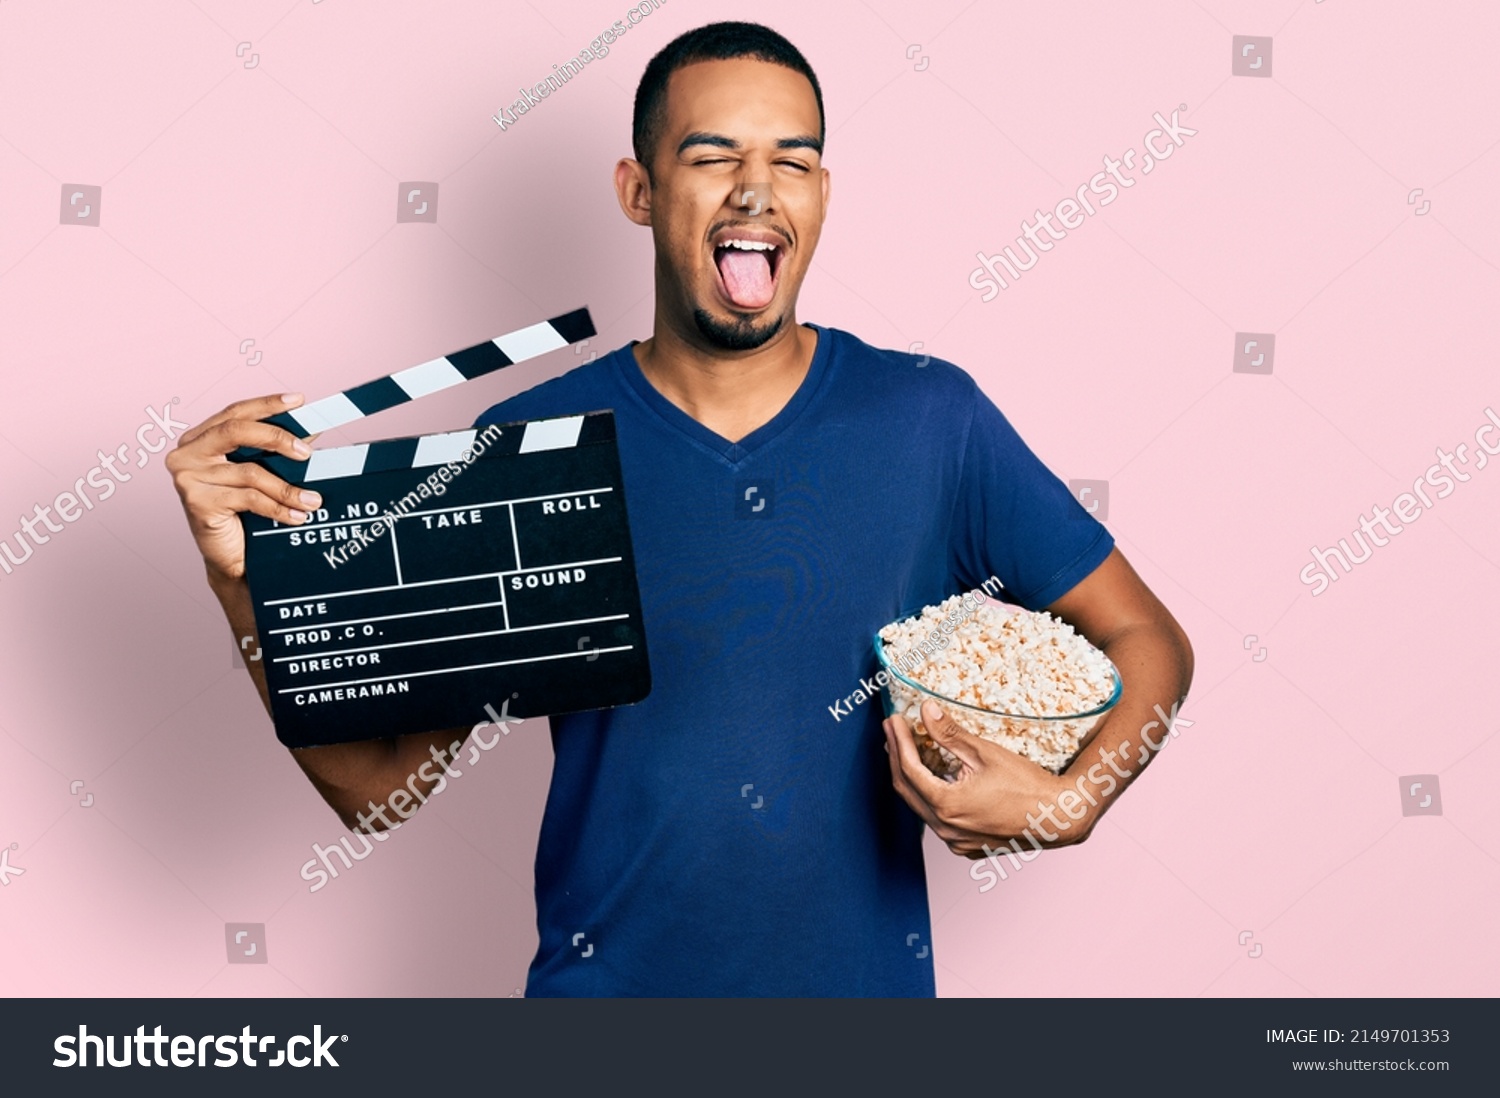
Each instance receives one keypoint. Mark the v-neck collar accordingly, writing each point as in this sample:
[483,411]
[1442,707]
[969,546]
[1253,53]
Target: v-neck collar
[734,453]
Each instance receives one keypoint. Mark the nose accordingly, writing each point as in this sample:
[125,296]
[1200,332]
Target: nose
[754,198]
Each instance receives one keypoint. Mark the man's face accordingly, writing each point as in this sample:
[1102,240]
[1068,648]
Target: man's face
[730,126]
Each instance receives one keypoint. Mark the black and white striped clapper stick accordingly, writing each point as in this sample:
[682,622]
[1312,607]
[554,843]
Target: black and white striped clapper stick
[448,577]
[442,373]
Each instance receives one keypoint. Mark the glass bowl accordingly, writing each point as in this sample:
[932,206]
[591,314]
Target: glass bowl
[1050,742]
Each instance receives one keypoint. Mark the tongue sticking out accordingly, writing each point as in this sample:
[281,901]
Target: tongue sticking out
[747,277]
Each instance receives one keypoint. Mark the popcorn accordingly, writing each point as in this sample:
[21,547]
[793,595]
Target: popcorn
[1020,665]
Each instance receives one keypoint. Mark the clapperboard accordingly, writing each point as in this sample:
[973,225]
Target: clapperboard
[428,587]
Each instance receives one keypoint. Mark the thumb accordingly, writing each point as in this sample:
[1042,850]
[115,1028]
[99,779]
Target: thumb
[948,733]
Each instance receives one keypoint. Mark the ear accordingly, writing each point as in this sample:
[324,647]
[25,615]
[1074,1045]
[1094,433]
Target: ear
[633,189]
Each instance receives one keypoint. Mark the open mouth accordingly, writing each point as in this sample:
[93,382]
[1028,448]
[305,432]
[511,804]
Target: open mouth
[747,270]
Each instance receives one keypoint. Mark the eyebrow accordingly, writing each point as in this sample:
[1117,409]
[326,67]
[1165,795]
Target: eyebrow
[718,140]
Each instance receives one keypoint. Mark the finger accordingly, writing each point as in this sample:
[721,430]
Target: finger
[904,789]
[970,845]
[950,734]
[908,760]
[237,500]
[254,408]
[964,842]
[229,435]
[249,475]
[922,803]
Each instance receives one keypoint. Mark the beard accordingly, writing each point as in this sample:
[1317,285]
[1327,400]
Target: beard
[740,334]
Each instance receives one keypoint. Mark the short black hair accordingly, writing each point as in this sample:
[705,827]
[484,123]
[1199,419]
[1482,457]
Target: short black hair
[713,42]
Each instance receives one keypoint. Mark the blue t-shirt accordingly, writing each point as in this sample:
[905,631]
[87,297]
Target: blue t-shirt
[730,835]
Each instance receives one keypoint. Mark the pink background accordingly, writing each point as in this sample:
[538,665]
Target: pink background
[259,203]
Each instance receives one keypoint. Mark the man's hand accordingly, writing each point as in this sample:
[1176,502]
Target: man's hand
[215,490]
[996,797]
[1000,796]
[357,779]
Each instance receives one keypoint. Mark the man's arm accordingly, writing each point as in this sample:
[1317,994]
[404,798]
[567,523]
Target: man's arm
[1125,620]
[358,780]
[999,795]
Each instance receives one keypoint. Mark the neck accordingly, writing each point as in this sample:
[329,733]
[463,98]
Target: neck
[730,392]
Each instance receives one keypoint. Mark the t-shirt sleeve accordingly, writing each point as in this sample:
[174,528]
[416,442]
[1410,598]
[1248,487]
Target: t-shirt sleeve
[1016,521]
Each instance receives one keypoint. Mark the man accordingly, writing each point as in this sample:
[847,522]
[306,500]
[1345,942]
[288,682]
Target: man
[790,490]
